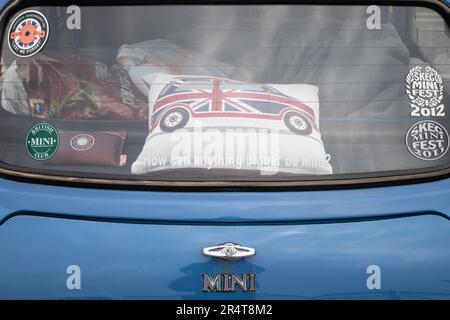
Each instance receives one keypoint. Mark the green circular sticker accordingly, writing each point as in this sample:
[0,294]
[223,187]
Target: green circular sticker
[42,141]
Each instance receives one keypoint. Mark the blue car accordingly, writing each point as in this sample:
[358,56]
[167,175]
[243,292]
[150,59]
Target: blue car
[143,157]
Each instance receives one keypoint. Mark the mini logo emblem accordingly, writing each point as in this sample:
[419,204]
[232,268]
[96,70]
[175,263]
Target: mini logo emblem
[229,282]
[229,251]
[42,141]
[28,33]
[427,140]
[82,142]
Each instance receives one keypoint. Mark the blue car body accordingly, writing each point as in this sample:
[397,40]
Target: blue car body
[136,244]
[310,244]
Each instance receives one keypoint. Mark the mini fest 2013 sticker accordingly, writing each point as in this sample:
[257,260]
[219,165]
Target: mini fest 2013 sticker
[28,33]
[427,140]
[425,91]
[42,141]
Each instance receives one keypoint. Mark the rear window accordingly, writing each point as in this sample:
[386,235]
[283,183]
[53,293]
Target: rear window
[225,92]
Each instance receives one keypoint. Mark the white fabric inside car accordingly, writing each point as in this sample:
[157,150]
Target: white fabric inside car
[284,151]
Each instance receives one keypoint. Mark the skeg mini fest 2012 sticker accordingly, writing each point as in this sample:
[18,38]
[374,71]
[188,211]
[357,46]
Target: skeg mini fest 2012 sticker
[28,33]
[427,140]
[425,91]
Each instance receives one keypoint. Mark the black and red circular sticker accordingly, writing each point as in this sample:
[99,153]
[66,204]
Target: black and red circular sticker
[28,33]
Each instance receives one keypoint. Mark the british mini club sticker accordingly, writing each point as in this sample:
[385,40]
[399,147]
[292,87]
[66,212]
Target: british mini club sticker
[42,141]
[28,33]
[427,140]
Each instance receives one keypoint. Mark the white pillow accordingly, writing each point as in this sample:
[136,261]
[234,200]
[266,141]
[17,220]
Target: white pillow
[211,123]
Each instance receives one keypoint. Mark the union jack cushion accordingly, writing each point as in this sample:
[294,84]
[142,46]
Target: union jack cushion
[212,123]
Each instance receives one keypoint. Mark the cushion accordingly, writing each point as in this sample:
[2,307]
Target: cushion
[90,148]
[212,123]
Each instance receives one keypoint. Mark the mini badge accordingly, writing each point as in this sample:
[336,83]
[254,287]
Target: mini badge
[427,140]
[425,91]
[42,141]
[28,33]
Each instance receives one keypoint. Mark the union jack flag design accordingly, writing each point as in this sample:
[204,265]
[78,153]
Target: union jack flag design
[205,96]
[28,33]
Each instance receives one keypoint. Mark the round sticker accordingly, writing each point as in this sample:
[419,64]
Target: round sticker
[82,142]
[28,33]
[42,141]
[427,140]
